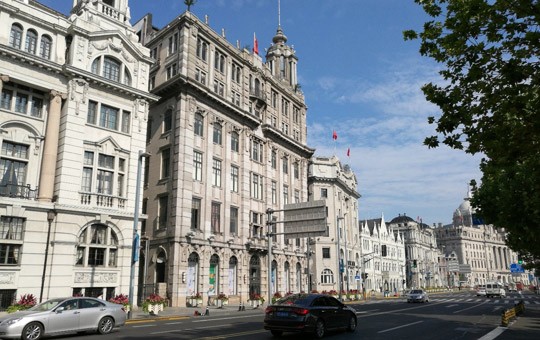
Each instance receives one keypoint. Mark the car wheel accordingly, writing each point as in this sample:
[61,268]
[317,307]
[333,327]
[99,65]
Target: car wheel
[32,331]
[351,327]
[105,325]
[320,329]
[277,333]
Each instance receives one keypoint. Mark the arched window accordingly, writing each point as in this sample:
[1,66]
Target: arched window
[327,276]
[127,77]
[45,47]
[15,36]
[111,69]
[217,133]
[198,124]
[233,272]
[235,141]
[97,247]
[31,41]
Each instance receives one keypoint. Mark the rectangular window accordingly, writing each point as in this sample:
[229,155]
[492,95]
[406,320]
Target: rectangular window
[219,88]
[326,253]
[172,70]
[234,179]
[88,171]
[296,115]
[285,161]
[5,101]
[167,121]
[11,228]
[285,107]
[274,159]
[92,112]
[235,98]
[285,194]
[109,117]
[274,98]
[296,196]
[165,163]
[126,121]
[96,256]
[233,225]
[198,124]
[13,167]
[216,173]
[235,142]
[324,193]
[197,165]
[173,44]
[163,211]
[256,186]
[217,139]
[196,214]
[21,102]
[200,76]
[257,150]
[274,192]
[296,170]
[215,218]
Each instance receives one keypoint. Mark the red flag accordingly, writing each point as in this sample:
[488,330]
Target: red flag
[255,45]
[348,152]
[334,135]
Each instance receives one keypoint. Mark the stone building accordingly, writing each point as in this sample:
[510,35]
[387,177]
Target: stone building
[383,257]
[335,183]
[425,264]
[227,142]
[479,249]
[73,116]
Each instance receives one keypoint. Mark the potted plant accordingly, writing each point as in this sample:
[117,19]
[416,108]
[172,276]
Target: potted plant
[195,299]
[334,293]
[154,304]
[256,300]
[221,300]
[121,299]
[276,296]
[26,301]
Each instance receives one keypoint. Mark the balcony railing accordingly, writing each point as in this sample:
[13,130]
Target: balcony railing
[18,191]
[104,201]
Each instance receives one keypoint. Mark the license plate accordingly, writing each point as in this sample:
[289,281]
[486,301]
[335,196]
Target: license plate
[282,314]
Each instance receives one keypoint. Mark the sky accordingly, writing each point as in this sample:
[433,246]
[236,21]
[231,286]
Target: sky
[360,79]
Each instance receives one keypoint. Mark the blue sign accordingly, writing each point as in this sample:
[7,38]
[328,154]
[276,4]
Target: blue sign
[516,268]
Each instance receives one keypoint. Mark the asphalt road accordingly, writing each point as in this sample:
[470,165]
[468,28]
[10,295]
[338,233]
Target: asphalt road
[447,316]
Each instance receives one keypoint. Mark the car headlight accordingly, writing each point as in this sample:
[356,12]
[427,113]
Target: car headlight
[12,321]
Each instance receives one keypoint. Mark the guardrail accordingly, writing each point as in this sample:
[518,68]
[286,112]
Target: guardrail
[511,313]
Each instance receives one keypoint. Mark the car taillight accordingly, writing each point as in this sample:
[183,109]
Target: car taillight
[301,311]
[269,310]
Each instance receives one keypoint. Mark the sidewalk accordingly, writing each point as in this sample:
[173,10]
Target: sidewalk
[526,327]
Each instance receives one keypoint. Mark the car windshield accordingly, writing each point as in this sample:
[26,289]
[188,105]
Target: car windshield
[297,299]
[416,291]
[47,305]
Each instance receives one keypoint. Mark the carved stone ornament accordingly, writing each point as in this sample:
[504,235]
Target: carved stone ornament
[7,277]
[78,90]
[96,277]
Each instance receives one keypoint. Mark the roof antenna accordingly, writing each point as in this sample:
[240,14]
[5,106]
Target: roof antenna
[279,12]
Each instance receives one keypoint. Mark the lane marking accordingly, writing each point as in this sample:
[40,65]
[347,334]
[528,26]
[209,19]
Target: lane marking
[233,335]
[190,329]
[141,326]
[398,327]
[462,310]
[229,318]
[494,333]
[450,306]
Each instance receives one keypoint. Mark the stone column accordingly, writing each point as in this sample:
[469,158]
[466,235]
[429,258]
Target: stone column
[50,148]
[3,79]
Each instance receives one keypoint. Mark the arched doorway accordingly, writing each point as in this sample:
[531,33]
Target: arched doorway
[254,275]
[161,261]
[287,278]
[298,278]
[193,274]
[233,273]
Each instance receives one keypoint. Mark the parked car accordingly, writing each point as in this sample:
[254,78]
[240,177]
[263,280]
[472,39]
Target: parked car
[481,290]
[61,316]
[310,313]
[417,295]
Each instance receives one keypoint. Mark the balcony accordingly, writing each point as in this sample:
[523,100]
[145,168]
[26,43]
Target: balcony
[18,191]
[259,97]
[103,201]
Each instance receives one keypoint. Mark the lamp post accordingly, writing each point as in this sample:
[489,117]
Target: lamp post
[50,218]
[134,252]
[338,235]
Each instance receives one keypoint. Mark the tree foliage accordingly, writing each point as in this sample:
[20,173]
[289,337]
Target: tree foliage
[489,98]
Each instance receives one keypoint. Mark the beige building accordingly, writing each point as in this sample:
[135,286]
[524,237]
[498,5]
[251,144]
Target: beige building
[73,116]
[478,248]
[425,264]
[227,142]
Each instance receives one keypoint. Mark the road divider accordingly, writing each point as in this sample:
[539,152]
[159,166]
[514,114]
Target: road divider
[512,313]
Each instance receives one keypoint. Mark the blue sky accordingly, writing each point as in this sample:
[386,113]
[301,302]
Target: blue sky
[361,79]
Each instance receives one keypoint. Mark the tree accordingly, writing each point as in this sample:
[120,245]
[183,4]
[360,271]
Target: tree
[490,103]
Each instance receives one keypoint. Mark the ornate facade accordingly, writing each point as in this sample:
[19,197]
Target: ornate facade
[479,248]
[227,142]
[73,116]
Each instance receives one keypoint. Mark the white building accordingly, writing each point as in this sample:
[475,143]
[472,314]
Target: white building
[73,111]
[227,142]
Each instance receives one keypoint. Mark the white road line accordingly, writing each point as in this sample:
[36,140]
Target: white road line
[398,327]
[461,310]
[450,306]
[229,318]
[493,334]
[142,326]
[190,329]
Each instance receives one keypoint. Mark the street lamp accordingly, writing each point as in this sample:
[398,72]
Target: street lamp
[135,245]
[338,235]
[50,218]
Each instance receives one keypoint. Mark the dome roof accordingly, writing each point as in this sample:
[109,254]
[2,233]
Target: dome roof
[401,219]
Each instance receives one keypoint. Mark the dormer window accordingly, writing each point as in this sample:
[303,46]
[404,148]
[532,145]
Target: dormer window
[112,69]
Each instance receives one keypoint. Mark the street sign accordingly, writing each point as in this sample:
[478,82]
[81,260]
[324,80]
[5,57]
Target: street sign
[453,266]
[516,268]
[306,219]
[464,268]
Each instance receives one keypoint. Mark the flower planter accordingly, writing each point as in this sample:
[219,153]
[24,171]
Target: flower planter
[255,303]
[155,308]
[221,303]
[194,302]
